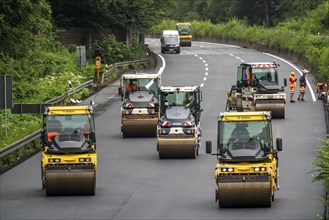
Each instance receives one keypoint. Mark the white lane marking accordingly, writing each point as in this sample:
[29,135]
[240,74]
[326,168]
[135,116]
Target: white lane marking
[202,84]
[111,97]
[204,61]
[196,55]
[206,74]
[227,45]
[206,64]
[231,55]
[155,44]
[204,79]
[300,72]
[200,58]
[163,65]
[201,46]
[207,69]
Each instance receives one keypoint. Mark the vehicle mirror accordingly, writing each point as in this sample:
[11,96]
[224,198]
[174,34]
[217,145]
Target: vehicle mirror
[44,136]
[208,147]
[93,136]
[156,107]
[285,81]
[120,91]
[279,144]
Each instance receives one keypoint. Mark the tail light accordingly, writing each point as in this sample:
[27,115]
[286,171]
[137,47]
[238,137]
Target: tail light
[165,124]
[129,105]
[187,124]
[150,105]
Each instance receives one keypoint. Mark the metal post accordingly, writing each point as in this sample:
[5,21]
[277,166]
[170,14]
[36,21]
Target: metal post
[4,87]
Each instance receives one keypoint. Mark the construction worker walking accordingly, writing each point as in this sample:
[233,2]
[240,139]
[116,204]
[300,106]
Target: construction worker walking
[302,85]
[292,83]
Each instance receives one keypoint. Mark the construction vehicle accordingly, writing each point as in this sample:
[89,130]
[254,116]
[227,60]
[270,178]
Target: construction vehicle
[185,36]
[179,129]
[69,160]
[247,170]
[321,90]
[140,107]
[170,41]
[257,89]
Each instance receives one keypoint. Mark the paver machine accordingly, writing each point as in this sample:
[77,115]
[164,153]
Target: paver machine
[185,35]
[69,160]
[246,174]
[257,89]
[140,107]
[179,129]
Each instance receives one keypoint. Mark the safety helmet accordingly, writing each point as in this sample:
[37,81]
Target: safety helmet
[305,71]
[292,73]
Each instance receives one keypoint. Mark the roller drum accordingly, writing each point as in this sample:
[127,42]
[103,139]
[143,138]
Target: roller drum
[276,107]
[139,128]
[173,148]
[70,182]
[244,194]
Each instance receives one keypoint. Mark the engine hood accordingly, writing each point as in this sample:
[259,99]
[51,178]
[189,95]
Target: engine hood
[269,87]
[141,98]
[177,115]
[69,143]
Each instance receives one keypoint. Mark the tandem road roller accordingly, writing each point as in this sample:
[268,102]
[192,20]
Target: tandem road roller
[69,159]
[179,130]
[257,89]
[140,107]
[247,170]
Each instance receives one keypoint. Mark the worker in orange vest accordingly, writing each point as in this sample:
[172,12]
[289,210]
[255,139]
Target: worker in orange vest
[302,85]
[292,83]
[321,89]
[131,87]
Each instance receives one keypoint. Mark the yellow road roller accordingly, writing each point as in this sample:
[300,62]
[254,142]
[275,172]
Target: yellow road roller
[140,107]
[257,89]
[179,129]
[247,173]
[185,35]
[69,160]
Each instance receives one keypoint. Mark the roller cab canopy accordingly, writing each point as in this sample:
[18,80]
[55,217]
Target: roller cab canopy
[69,129]
[244,136]
[172,101]
[262,75]
[145,89]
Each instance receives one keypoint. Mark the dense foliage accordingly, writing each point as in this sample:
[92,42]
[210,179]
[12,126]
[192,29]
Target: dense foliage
[134,15]
[256,12]
[41,67]
[300,35]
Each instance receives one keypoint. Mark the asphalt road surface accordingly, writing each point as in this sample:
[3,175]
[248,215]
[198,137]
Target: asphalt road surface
[132,183]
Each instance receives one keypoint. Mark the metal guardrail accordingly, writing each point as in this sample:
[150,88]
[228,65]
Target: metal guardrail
[37,134]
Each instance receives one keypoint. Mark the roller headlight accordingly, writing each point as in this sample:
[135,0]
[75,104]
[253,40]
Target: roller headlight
[84,159]
[229,169]
[54,160]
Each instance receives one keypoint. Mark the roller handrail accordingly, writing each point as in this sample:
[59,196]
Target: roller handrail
[37,134]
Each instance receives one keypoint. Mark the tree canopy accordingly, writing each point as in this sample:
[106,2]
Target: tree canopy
[131,14]
[256,12]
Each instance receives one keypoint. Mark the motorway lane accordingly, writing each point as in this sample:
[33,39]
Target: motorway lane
[132,183]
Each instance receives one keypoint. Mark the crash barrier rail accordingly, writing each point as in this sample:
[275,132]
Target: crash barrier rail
[37,134]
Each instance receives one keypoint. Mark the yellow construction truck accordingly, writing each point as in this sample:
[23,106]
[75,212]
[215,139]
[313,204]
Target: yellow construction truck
[179,129]
[69,160]
[184,30]
[246,174]
[257,89]
[140,107]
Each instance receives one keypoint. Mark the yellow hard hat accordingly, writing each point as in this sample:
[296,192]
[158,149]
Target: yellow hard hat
[292,73]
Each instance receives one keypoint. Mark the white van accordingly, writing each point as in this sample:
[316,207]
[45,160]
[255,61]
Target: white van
[170,41]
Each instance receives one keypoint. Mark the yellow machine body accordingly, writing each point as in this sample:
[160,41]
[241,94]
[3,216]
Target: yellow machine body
[69,171]
[185,36]
[246,174]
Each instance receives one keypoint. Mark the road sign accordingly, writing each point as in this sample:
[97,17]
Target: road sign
[6,92]
[81,51]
